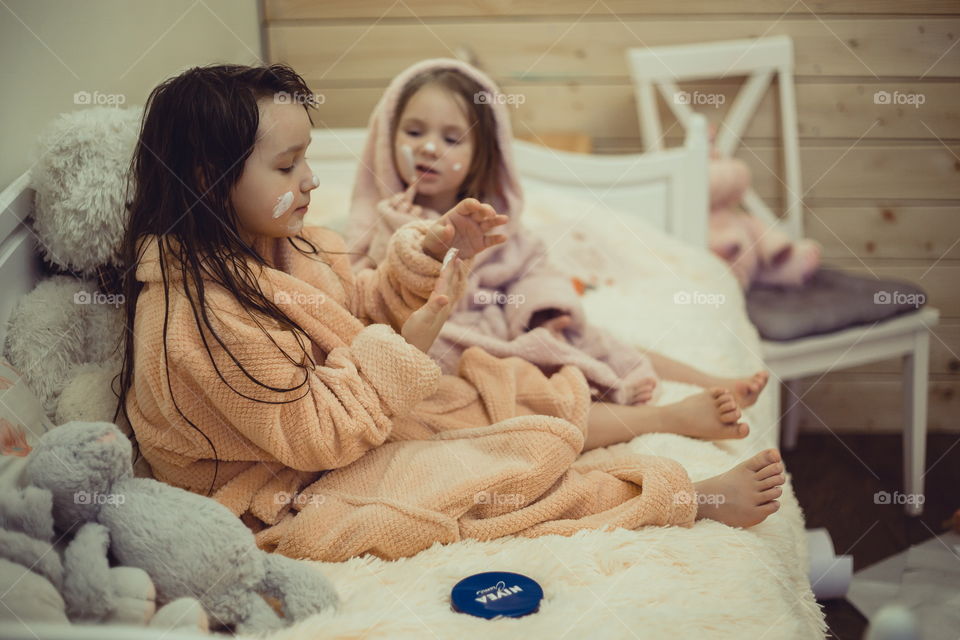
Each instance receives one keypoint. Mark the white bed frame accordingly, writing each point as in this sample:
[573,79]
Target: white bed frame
[668,188]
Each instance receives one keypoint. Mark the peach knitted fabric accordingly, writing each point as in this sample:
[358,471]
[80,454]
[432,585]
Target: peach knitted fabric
[410,457]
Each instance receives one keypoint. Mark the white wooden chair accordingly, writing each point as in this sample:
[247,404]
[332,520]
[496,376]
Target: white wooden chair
[906,335]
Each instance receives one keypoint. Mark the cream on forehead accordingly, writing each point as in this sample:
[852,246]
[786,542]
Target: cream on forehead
[283,204]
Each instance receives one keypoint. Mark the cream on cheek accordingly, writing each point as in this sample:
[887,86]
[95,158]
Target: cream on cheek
[409,165]
[295,225]
[283,204]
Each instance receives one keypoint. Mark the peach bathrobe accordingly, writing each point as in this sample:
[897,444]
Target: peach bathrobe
[375,451]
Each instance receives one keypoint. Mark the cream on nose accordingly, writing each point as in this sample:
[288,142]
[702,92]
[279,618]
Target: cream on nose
[430,147]
[315,180]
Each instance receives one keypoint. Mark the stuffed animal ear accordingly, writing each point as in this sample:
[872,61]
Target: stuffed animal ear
[79,467]
[81,185]
[28,511]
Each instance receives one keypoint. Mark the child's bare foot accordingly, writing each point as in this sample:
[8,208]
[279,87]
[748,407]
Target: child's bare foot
[643,392]
[712,414]
[746,494]
[746,390]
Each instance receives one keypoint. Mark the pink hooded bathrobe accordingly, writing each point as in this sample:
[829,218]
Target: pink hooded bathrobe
[510,282]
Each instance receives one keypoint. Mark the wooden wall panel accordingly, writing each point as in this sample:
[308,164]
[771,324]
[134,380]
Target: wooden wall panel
[558,50]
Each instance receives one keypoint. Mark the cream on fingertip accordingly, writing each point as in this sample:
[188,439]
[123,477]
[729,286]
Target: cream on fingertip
[452,253]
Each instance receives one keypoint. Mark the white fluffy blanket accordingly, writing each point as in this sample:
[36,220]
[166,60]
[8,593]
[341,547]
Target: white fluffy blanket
[710,581]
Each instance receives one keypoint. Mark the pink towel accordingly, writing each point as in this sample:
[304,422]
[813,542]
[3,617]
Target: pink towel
[509,283]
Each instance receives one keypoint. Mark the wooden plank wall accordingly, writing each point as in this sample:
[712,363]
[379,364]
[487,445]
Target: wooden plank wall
[882,181]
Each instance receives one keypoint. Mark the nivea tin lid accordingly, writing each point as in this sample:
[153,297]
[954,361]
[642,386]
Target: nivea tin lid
[496,593]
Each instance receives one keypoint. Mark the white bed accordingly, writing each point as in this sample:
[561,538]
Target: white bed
[637,223]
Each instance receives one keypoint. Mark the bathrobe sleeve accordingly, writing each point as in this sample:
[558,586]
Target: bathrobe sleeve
[537,285]
[329,416]
[402,282]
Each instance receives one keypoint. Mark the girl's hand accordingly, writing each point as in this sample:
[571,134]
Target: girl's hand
[402,203]
[553,320]
[465,228]
[423,326]
[557,325]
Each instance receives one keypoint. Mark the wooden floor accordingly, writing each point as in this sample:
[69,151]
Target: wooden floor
[836,478]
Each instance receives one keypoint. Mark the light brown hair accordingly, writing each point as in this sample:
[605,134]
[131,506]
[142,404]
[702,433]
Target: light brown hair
[483,177]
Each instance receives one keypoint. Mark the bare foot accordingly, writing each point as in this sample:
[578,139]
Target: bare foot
[745,390]
[712,414]
[643,392]
[746,494]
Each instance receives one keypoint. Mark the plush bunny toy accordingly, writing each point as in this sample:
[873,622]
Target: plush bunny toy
[756,252]
[41,584]
[190,545]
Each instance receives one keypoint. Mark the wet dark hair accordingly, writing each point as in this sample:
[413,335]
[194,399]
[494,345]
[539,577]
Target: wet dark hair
[482,180]
[197,132]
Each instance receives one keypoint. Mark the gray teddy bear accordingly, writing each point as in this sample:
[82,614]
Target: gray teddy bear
[190,545]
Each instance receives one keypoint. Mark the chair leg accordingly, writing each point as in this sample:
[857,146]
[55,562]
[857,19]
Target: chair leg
[916,367]
[791,414]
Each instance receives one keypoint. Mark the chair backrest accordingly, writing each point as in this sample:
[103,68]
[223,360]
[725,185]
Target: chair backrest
[759,60]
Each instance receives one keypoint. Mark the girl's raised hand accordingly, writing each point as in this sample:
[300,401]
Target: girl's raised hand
[403,202]
[423,326]
[465,228]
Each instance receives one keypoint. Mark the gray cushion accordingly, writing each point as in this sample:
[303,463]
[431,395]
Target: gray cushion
[831,301]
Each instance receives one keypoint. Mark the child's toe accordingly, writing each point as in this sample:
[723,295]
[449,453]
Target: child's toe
[769,494]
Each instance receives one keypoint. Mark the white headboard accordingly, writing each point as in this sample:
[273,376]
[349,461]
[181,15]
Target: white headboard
[666,188]
[19,262]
